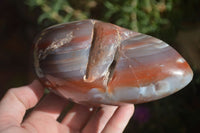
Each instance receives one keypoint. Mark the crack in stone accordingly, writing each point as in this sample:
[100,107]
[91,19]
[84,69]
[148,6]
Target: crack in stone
[92,47]
[108,75]
[112,66]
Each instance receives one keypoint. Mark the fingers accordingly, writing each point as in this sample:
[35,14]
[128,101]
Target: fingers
[17,100]
[119,120]
[77,117]
[45,114]
[106,119]
[100,119]
[51,106]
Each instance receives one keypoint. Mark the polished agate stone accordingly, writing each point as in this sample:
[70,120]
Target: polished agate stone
[93,62]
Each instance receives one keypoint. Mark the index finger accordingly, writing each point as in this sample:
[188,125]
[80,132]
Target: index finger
[16,101]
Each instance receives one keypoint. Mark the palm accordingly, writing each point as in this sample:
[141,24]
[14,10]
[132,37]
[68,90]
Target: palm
[43,118]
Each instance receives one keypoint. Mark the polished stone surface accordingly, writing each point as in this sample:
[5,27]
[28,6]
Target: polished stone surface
[94,62]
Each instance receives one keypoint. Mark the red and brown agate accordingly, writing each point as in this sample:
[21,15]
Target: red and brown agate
[94,62]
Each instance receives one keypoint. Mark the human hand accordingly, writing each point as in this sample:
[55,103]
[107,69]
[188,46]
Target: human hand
[43,118]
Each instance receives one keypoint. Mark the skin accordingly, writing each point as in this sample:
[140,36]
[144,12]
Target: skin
[43,117]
